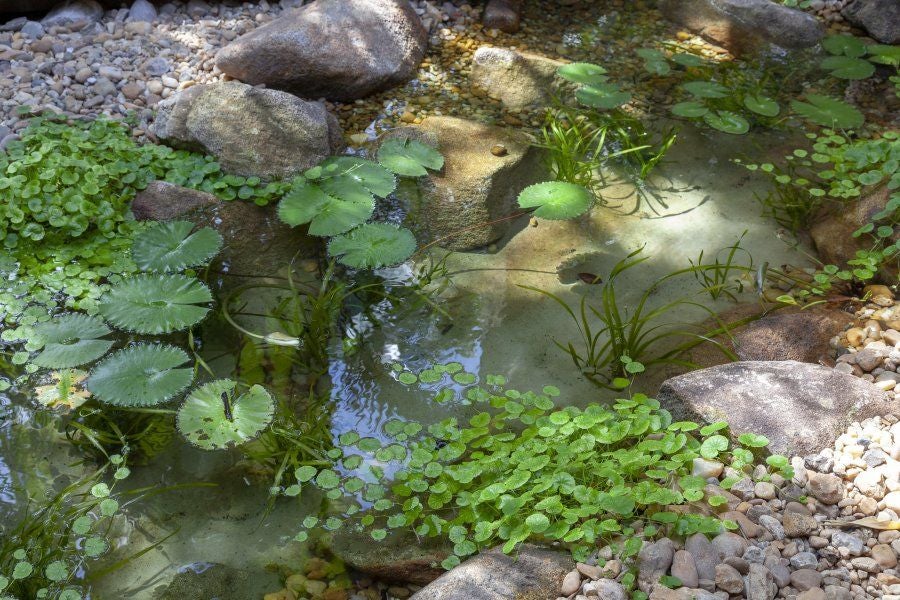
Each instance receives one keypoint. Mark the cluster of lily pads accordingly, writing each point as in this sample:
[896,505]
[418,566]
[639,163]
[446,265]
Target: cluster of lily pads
[160,300]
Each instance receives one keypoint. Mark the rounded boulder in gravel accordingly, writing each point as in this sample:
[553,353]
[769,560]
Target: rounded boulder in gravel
[337,49]
[251,131]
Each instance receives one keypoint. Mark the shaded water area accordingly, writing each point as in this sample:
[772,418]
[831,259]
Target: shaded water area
[483,317]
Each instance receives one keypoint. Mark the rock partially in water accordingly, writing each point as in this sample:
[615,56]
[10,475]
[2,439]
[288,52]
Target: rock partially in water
[531,573]
[743,25]
[397,558]
[206,581]
[517,79]
[251,131]
[833,231]
[799,406]
[880,18]
[337,49]
[256,241]
[460,204]
[801,335]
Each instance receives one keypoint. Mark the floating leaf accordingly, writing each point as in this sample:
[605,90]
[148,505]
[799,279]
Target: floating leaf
[373,245]
[705,89]
[654,61]
[156,303]
[843,44]
[66,390]
[212,418]
[762,105]
[172,247]
[689,109]
[727,122]
[827,111]
[326,214]
[142,375]
[602,95]
[688,60]
[409,157]
[846,67]
[71,340]
[581,72]
[556,200]
[884,55]
[349,169]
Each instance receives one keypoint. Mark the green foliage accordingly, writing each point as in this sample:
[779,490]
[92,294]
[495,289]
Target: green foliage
[556,200]
[522,469]
[71,340]
[45,553]
[172,247]
[583,73]
[373,245]
[829,112]
[409,158]
[214,416]
[141,375]
[610,333]
[156,303]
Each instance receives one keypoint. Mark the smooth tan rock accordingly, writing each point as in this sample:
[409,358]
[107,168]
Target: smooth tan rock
[517,79]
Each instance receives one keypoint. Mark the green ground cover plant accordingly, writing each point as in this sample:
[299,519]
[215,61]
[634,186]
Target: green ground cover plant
[526,467]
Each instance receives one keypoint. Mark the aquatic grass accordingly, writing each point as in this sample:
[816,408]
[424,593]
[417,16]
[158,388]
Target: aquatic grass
[717,277]
[612,336]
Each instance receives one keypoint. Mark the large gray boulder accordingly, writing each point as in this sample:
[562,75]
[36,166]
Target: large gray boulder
[256,241]
[742,25]
[74,14]
[880,18]
[531,572]
[485,168]
[251,131]
[338,49]
[800,407]
[517,79]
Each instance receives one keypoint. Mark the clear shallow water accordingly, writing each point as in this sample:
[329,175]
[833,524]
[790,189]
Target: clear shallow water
[494,326]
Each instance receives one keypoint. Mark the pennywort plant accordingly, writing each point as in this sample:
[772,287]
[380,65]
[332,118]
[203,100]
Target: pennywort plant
[526,467]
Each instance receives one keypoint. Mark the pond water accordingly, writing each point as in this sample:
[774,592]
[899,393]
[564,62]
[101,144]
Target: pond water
[697,201]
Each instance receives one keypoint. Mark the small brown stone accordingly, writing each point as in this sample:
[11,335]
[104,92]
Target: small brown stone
[884,555]
[499,150]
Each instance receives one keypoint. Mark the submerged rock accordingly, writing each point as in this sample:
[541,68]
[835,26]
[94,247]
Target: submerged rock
[206,581]
[833,231]
[531,572]
[880,18]
[256,241]
[476,186]
[741,25]
[517,79]
[504,15]
[251,131]
[397,558]
[337,49]
[800,407]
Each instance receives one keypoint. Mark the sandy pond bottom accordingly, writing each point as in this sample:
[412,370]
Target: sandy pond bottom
[497,327]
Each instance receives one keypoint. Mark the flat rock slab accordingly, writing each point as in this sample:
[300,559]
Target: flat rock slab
[534,573]
[800,407]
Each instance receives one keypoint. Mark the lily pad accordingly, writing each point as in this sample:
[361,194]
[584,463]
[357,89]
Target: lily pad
[71,340]
[604,96]
[156,303]
[688,60]
[581,72]
[843,44]
[142,375]
[690,109]
[410,158]
[368,174]
[210,422]
[762,105]
[846,67]
[327,214]
[373,245]
[556,200]
[828,111]
[172,247]
[727,122]
[884,54]
[705,89]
